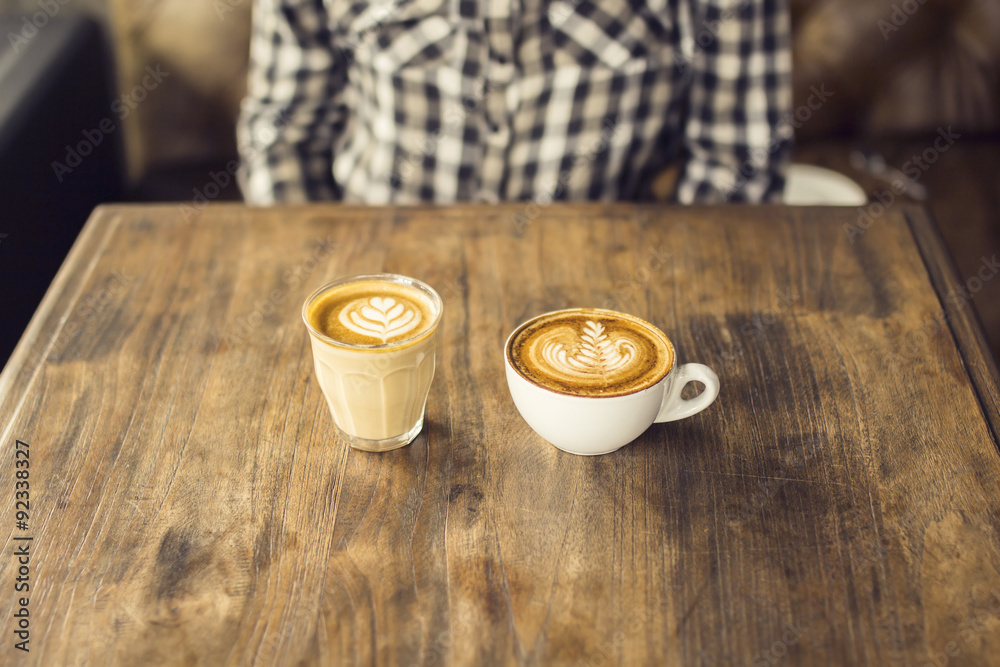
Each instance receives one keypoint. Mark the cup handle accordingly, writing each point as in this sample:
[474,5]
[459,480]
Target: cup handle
[674,407]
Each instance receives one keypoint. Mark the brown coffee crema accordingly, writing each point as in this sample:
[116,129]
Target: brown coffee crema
[372,312]
[591,352]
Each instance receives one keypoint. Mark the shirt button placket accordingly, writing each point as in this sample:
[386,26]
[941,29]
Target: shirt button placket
[499,73]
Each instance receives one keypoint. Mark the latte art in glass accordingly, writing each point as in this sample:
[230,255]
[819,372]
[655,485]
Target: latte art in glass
[379,317]
[591,352]
[371,313]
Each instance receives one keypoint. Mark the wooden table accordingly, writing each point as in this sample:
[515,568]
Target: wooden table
[190,503]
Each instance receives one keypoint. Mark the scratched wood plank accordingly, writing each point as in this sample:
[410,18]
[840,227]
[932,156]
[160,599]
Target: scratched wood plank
[190,504]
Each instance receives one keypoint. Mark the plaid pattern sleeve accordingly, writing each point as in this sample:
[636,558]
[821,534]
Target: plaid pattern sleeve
[291,114]
[738,136]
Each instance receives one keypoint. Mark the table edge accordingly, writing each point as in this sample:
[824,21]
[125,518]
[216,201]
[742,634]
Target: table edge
[963,322]
[74,268]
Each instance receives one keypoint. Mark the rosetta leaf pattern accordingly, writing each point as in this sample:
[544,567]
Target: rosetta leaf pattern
[380,317]
[596,353]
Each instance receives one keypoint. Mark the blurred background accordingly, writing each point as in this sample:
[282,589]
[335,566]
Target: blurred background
[150,89]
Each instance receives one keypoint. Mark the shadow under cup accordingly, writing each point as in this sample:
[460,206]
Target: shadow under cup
[376,392]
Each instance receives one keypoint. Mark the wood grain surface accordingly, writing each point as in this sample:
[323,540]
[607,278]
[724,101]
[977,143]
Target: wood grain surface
[191,505]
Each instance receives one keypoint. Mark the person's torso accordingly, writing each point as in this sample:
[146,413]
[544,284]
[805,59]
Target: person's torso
[465,100]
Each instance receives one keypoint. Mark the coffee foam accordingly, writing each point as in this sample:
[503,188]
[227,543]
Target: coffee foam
[591,352]
[372,312]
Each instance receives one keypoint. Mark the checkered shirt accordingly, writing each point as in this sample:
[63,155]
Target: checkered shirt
[484,100]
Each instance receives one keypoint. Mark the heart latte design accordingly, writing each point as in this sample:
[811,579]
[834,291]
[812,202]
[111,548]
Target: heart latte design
[596,354]
[380,317]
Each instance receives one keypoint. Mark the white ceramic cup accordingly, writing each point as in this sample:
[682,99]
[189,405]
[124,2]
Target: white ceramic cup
[590,425]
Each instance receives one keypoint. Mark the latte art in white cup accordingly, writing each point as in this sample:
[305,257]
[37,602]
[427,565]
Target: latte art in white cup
[373,342]
[590,381]
[596,355]
[591,353]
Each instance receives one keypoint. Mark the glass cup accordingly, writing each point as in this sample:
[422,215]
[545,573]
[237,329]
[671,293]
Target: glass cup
[376,390]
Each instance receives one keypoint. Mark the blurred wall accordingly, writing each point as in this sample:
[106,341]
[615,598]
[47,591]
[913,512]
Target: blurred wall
[899,66]
[199,50]
[96,8]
